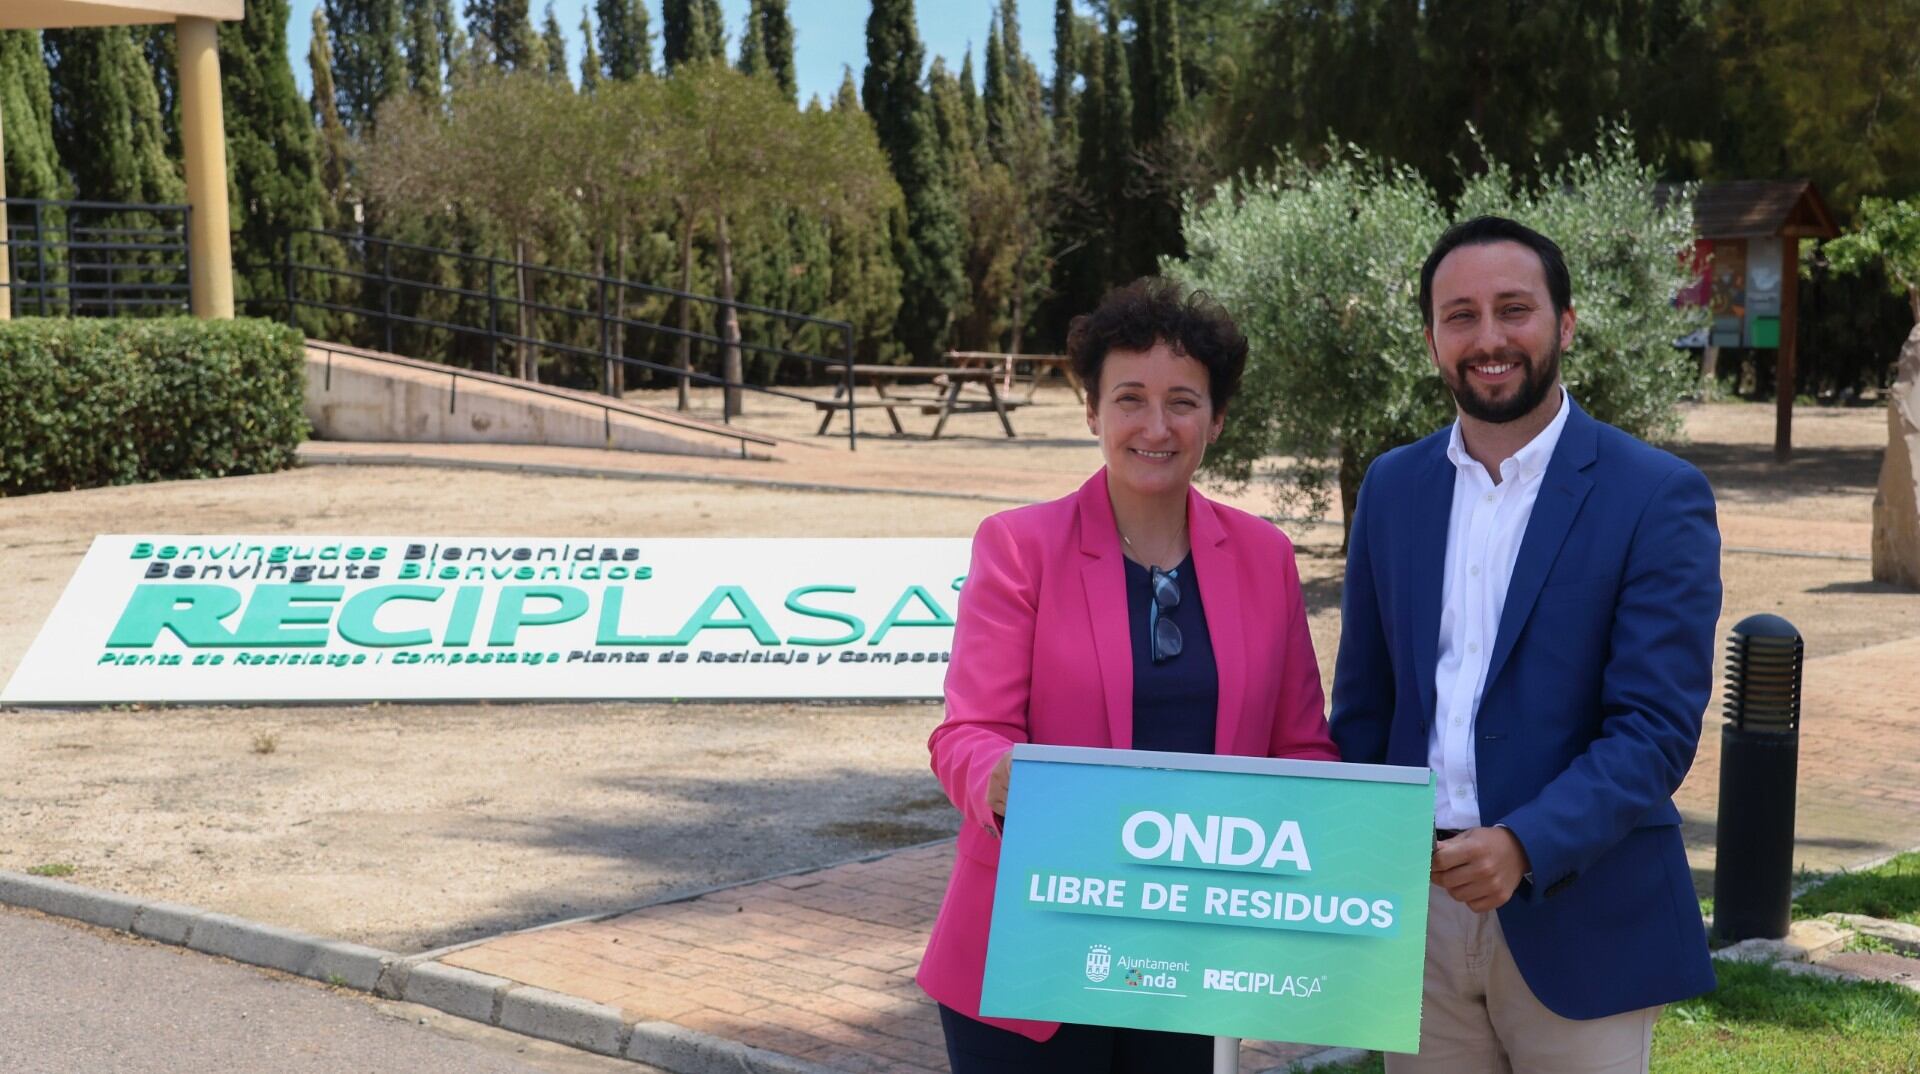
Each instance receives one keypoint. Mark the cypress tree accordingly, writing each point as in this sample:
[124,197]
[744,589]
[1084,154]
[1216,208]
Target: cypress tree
[161,46]
[424,57]
[1066,47]
[716,29]
[1085,269]
[1115,129]
[32,163]
[847,97]
[333,147]
[976,106]
[930,246]
[454,47]
[953,119]
[590,59]
[625,51]
[554,43]
[503,30]
[767,45]
[997,94]
[1157,91]
[106,117]
[367,66]
[272,161]
[753,53]
[693,30]
[26,114]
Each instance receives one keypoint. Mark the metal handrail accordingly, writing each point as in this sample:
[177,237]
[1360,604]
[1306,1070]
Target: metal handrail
[117,206]
[387,317]
[574,274]
[567,394]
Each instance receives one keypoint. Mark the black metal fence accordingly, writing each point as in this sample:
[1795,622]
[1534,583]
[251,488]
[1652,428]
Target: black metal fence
[577,328]
[96,259]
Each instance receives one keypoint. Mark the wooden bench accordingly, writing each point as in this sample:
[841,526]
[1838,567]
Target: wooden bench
[944,401]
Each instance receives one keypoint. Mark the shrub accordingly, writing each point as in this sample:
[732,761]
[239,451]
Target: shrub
[85,403]
[1320,265]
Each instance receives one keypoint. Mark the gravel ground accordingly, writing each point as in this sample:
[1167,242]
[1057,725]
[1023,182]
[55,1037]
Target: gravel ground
[416,826]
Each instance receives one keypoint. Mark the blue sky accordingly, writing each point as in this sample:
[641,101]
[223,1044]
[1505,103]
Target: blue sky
[828,34]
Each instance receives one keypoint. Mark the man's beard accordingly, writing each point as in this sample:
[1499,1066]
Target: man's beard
[1536,379]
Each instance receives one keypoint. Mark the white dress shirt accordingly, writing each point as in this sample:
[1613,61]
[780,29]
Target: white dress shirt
[1484,532]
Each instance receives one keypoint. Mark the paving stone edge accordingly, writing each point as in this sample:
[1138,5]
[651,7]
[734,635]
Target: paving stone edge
[480,997]
[464,993]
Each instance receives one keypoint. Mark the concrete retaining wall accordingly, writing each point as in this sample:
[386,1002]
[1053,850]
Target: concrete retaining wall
[364,399]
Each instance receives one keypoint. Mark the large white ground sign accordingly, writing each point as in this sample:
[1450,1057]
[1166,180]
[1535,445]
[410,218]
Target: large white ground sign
[152,617]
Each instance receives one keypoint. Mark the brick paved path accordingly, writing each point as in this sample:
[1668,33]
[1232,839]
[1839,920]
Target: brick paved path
[1859,792]
[820,965]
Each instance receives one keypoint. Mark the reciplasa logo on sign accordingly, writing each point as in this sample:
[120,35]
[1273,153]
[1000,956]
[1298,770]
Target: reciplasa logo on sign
[1099,962]
[1272,984]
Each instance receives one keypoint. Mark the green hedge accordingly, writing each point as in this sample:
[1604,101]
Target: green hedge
[91,402]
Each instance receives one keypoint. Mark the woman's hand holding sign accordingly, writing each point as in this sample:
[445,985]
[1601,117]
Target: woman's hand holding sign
[997,784]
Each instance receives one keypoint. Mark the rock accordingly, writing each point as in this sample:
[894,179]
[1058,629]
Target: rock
[1806,941]
[1761,951]
[1896,506]
[1804,969]
[1817,939]
[1896,934]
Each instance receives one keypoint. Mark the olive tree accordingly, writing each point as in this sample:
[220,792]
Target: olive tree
[1320,265]
[738,157]
[1887,232]
[502,148]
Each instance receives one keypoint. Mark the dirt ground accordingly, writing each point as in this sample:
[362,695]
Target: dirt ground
[416,826]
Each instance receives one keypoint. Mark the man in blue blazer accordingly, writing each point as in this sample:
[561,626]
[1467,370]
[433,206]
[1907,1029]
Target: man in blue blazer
[1529,610]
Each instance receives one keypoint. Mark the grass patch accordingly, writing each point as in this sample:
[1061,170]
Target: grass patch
[264,743]
[53,868]
[1890,890]
[1765,1021]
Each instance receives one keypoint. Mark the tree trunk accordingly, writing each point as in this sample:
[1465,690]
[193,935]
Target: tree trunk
[1353,469]
[1709,368]
[682,353]
[730,330]
[528,366]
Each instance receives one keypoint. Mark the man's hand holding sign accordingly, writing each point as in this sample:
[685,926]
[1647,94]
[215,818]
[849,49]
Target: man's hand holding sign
[1480,867]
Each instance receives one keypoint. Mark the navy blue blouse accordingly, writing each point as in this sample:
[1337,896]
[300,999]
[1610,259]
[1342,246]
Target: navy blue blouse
[1175,702]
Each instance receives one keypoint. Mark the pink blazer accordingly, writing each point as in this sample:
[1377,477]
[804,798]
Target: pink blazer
[1041,654]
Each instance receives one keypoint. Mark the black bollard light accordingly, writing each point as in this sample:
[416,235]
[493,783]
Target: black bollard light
[1759,762]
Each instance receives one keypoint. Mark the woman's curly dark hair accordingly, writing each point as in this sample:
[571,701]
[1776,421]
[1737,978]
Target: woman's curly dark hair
[1152,310]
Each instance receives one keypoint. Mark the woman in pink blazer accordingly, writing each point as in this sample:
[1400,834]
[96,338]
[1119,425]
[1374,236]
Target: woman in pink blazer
[1134,614]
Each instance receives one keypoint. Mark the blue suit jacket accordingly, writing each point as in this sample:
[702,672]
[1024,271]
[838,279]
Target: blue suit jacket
[1600,672]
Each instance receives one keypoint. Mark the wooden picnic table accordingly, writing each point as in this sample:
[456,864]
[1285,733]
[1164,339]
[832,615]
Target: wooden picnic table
[1039,367]
[944,401]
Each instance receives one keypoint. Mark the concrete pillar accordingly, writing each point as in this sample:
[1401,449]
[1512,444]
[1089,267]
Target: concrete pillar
[203,136]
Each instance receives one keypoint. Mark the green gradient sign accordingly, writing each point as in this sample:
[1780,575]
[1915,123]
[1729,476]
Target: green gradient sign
[1231,896]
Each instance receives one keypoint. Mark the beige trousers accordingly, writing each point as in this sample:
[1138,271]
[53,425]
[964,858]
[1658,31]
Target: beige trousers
[1477,1015]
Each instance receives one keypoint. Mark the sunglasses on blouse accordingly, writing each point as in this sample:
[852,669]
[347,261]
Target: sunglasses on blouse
[1164,631]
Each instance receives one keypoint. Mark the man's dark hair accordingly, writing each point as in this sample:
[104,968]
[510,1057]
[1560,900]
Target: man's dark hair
[1482,230]
[1152,310]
